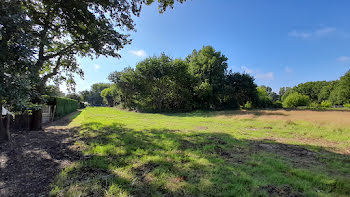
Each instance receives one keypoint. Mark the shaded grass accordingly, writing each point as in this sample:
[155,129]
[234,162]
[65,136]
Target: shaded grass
[138,154]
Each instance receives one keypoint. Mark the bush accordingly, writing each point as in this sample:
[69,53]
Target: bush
[277,104]
[248,105]
[65,106]
[264,100]
[347,105]
[326,104]
[295,99]
[314,105]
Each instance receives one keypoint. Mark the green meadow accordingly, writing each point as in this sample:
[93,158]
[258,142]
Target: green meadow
[203,154]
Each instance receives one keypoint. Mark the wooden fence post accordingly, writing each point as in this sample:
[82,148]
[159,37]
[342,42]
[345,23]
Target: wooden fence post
[8,119]
[4,130]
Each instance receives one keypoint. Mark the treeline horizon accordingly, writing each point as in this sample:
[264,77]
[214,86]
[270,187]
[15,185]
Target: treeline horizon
[202,81]
[163,84]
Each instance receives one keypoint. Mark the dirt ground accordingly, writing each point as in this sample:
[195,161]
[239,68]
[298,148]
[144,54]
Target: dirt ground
[30,162]
[339,119]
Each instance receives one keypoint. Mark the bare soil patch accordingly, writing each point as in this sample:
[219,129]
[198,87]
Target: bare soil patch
[31,161]
[340,119]
[285,191]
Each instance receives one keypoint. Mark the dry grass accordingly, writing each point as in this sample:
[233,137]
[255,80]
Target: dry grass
[338,119]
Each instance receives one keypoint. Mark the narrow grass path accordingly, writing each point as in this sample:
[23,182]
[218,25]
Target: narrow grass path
[204,154]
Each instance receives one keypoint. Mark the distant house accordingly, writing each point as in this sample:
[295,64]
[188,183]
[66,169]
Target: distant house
[5,112]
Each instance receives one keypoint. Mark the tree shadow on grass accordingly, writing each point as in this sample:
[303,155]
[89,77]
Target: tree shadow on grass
[32,159]
[64,121]
[122,161]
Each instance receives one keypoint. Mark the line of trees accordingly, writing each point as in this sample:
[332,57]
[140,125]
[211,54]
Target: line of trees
[200,81]
[162,84]
[318,93]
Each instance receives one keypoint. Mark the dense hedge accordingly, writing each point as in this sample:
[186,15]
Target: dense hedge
[65,106]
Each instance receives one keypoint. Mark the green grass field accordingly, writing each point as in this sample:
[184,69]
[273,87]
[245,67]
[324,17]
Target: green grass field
[204,154]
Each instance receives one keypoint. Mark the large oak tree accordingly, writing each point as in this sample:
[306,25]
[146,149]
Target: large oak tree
[61,30]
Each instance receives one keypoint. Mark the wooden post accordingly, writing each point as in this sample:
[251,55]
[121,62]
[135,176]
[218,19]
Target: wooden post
[4,130]
[53,113]
[8,119]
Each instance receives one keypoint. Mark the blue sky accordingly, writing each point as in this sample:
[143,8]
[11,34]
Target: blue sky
[281,43]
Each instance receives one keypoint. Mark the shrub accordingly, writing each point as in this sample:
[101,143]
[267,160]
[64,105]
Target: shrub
[326,104]
[65,106]
[264,100]
[314,105]
[248,105]
[109,95]
[277,104]
[295,99]
[347,105]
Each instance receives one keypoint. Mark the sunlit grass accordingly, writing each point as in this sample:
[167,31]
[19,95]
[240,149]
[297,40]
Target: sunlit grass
[204,154]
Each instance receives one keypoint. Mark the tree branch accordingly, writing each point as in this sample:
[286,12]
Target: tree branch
[60,53]
[54,71]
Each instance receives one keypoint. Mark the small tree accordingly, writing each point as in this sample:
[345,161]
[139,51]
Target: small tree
[295,99]
[326,104]
[264,99]
[341,93]
[109,95]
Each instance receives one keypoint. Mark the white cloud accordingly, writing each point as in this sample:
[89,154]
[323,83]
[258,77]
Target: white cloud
[138,53]
[303,35]
[265,76]
[343,59]
[288,70]
[324,31]
[312,34]
[96,66]
[258,74]
[247,70]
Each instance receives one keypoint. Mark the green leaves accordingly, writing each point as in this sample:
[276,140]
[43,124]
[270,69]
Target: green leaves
[40,40]
[295,99]
[162,84]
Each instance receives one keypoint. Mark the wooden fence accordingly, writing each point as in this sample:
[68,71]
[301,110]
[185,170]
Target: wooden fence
[21,122]
[5,127]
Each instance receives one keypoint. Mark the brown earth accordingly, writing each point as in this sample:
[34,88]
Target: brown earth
[31,160]
[339,119]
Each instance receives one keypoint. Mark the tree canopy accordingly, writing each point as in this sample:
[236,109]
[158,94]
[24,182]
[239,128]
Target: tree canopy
[334,92]
[201,81]
[40,40]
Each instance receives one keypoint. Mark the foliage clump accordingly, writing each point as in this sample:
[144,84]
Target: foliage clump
[201,81]
[248,105]
[326,104]
[109,95]
[322,93]
[65,106]
[295,99]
